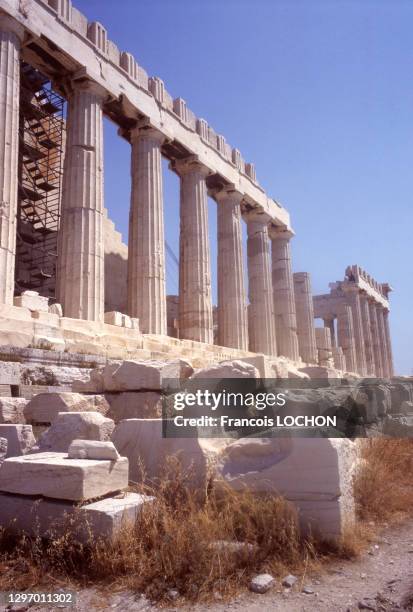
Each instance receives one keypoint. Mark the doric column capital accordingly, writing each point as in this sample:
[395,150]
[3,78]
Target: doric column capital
[149,132]
[256,216]
[280,233]
[9,24]
[227,194]
[190,164]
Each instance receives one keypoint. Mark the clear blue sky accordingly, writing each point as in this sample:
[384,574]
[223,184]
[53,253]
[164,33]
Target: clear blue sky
[319,95]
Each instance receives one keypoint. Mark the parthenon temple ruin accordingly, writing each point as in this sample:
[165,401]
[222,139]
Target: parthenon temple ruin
[58,287]
[89,337]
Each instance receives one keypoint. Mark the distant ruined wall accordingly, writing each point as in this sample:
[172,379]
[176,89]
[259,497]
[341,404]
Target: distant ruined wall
[116,264]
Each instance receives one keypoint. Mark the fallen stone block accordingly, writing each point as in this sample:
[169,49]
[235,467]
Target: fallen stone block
[227,369]
[69,426]
[321,372]
[12,410]
[141,441]
[92,449]
[48,518]
[315,474]
[55,475]
[141,375]
[45,407]
[134,405]
[33,301]
[20,439]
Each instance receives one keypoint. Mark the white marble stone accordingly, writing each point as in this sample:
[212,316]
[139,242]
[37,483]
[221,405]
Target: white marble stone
[33,301]
[195,301]
[283,290]
[315,474]
[11,36]
[44,407]
[305,317]
[261,324]
[69,426]
[92,449]
[80,274]
[56,476]
[104,519]
[345,336]
[146,260]
[232,298]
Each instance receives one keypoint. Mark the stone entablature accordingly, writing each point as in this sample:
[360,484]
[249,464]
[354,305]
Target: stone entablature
[84,51]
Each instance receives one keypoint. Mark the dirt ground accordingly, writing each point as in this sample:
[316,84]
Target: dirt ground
[381,580]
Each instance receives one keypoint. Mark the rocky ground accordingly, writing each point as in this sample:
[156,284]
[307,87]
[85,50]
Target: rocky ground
[380,580]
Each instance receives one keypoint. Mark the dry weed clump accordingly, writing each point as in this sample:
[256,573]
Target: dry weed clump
[209,544]
[196,546]
[383,485]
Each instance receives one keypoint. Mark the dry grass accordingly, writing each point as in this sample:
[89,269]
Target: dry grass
[186,543]
[383,485]
[178,542]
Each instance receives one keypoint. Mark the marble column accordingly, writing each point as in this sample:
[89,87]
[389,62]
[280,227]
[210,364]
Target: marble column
[375,335]
[345,336]
[368,337]
[232,301]
[283,292]
[80,277]
[305,317]
[353,300]
[329,324]
[260,312]
[146,257]
[383,340]
[388,342]
[195,302]
[11,35]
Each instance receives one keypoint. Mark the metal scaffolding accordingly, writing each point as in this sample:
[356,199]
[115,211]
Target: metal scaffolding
[41,151]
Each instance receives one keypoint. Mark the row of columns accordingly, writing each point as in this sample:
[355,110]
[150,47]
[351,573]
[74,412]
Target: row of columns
[363,333]
[270,315]
[279,318]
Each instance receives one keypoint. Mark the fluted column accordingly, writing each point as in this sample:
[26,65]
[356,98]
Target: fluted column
[368,337]
[388,342]
[195,302]
[383,341]
[378,356]
[283,294]
[345,335]
[232,302]
[261,311]
[353,299]
[146,257]
[305,317]
[11,35]
[329,324]
[80,278]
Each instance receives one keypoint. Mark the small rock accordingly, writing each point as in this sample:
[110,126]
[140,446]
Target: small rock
[363,576]
[289,581]
[308,590]
[172,594]
[261,583]
[391,562]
